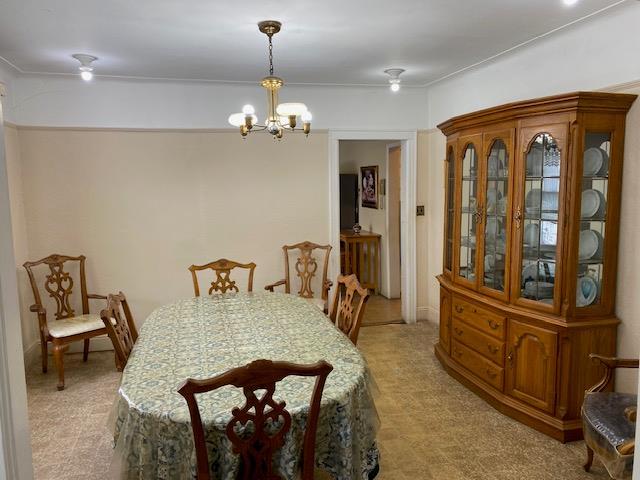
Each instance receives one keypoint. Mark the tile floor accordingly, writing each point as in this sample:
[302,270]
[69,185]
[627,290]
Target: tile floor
[432,427]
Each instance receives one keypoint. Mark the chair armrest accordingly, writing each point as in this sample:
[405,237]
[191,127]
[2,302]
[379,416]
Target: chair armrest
[273,285]
[39,309]
[610,364]
[96,296]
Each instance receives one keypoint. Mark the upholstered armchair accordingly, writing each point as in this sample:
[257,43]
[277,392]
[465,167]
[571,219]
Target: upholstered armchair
[305,268]
[609,421]
[67,326]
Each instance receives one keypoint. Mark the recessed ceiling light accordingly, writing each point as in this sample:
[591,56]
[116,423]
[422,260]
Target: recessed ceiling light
[569,3]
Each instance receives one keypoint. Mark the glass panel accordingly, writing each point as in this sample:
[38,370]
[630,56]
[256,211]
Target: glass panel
[495,236]
[540,234]
[468,214]
[593,218]
[451,185]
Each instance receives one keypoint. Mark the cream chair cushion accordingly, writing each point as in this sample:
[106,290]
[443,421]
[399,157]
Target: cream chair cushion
[75,325]
[317,302]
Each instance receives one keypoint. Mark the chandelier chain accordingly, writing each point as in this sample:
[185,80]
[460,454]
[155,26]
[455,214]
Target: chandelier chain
[270,56]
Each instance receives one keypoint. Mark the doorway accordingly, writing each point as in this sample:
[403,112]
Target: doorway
[372,180]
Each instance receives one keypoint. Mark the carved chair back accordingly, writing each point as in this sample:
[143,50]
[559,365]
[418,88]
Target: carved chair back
[120,326]
[309,259]
[59,283]
[348,306]
[258,428]
[222,283]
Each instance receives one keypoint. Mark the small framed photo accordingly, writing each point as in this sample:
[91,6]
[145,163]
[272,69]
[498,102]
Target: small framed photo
[369,186]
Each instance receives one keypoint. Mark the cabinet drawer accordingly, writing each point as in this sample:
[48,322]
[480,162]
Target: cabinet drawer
[477,364]
[481,318]
[485,345]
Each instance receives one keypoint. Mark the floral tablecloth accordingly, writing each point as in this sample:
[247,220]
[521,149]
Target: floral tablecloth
[204,336]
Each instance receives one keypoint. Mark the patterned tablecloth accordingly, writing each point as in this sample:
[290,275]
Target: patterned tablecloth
[205,336]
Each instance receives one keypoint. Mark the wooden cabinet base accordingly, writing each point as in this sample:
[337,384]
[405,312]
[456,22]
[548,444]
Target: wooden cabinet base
[534,368]
[563,431]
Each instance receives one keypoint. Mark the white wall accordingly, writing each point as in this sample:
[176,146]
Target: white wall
[68,101]
[7,77]
[595,54]
[599,52]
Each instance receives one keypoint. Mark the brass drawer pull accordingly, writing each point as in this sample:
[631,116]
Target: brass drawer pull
[458,331]
[457,352]
[493,325]
[491,374]
[510,359]
[493,349]
[459,308]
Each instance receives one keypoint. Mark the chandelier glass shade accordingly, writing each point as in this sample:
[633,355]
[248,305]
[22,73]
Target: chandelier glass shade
[280,116]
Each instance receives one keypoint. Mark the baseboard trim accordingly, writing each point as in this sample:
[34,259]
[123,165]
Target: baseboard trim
[97,344]
[429,314]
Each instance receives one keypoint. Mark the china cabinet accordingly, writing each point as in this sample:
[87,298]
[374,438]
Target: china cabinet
[532,208]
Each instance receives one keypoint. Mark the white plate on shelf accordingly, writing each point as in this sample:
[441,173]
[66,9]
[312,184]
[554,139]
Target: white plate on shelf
[592,204]
[536,198]
[593,161]
[492,229]
[489,263]
[586,292]
[590,244]
[531,235]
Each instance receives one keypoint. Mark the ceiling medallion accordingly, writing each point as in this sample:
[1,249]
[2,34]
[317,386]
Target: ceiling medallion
[280,117]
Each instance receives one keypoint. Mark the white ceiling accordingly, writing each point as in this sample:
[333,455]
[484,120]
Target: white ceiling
[322,42]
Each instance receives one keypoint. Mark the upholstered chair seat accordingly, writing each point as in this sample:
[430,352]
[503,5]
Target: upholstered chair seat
[609,421]
[609,430]
[75,325]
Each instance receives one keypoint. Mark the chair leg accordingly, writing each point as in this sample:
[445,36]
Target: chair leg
[58,356]
[44,352]
[85,352]
[587,466]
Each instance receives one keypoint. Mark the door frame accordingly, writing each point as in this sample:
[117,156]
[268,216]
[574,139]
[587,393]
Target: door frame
[386,282]
[408,182]
[15,440]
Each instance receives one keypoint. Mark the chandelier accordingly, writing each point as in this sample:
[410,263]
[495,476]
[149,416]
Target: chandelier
[280,117]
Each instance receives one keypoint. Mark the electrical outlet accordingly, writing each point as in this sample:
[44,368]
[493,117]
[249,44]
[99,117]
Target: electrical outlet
[420,210]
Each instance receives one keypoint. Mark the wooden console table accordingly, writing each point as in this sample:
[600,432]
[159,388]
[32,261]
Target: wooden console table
[360,254]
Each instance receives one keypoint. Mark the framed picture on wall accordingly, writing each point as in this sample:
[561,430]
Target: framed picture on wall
[369,186]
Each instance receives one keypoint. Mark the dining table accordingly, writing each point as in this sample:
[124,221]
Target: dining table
[205,336]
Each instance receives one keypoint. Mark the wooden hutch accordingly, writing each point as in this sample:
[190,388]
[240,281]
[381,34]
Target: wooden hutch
[532,214]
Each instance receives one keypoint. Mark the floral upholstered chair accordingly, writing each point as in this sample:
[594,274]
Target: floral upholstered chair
[68,325]
[609,422]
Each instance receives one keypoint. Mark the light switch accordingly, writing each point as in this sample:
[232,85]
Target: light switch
[420,210]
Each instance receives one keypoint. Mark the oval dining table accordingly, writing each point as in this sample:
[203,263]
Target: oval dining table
[205,336]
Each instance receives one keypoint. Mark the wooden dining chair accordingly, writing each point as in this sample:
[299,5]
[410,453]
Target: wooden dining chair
[222,283]
[306,268]
[120,326]
[257,448]
[68,326]
[349,303]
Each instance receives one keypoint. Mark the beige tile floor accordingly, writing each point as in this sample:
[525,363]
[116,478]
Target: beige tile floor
[432,427]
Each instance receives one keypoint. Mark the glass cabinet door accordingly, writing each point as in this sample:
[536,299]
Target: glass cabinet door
[593,218]
[495,222]
[538,222]
[449,208]
[469,215]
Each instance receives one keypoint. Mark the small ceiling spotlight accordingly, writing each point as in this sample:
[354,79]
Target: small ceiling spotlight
[86,70]
[569,3]
[394,78]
